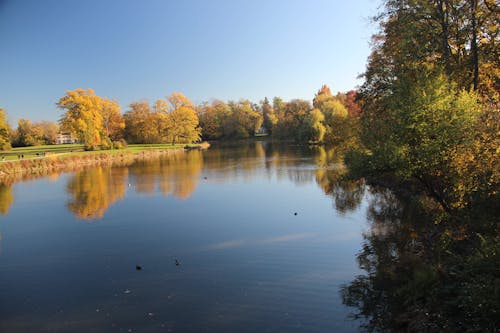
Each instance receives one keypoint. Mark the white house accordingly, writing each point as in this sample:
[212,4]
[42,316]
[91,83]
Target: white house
[65,138]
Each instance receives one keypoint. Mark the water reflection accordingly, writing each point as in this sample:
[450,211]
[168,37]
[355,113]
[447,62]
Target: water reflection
[92,191]
[6,198]
[175,175]
[401,257]
[247,261]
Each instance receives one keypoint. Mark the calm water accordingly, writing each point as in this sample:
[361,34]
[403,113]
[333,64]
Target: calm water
[70,244]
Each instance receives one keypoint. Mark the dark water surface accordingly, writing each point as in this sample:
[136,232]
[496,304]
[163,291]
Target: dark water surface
[70,245]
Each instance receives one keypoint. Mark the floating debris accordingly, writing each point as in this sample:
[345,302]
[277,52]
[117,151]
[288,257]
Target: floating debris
[177,263]
[127,291]
[137,267]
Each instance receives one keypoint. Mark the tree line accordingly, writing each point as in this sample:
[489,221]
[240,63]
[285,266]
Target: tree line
[430,126]
[98,123]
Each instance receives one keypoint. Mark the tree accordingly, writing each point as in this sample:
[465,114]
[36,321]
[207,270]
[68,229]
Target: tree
[270,118]
[292,118]
[183,120]
[28,134]
[316,127]
[49,131]
[243,121]
[351,104]
[212,118]
[140,124]
[34,134]
[83,116]
[112,120]
[4,131]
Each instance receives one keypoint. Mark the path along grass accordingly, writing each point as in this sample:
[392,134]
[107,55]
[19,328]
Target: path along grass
[26,161]
[23,153]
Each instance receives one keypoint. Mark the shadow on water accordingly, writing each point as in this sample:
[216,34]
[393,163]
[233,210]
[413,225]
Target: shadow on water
[421,276]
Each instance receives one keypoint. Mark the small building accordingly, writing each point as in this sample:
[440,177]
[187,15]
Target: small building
[65,138]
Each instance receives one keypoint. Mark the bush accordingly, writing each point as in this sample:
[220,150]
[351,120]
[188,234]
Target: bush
[122,144]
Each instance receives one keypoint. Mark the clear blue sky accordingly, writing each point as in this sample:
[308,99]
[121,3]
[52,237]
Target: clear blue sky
[146,49]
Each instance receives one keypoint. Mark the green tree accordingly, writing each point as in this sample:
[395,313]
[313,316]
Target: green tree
[316,127]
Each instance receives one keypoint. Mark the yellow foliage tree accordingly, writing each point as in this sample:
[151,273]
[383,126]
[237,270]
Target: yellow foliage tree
[83,116]
[113,122]
[183,120]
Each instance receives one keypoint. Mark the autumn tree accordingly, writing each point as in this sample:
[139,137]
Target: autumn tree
[28,134]
[292,119]
[425,89]
[173,120]
[112,120]
[182,120]
[340,126]
[212,118]
[83,116]
[243,120]
[34,134]
[49,131]
[4,131]
[94,120]
[141,125]
[316,128]
[270,118]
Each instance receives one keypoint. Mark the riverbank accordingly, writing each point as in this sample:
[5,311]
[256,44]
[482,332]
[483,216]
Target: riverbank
[71,158]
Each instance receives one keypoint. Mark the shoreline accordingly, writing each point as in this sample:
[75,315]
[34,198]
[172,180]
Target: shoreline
[12,171]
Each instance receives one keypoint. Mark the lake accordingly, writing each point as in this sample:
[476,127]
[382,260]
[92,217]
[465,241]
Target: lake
[259,237]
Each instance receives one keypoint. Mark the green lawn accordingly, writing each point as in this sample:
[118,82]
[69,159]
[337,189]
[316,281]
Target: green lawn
[77,149]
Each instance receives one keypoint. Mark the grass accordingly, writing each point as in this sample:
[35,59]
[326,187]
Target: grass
[41,160]
[77,149]
[31,152]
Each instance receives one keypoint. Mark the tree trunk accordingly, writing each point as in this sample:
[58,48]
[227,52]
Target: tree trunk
[473,44]
[443,11]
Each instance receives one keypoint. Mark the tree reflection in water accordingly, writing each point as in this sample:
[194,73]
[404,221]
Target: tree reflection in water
[176,175]
[415,279]
[347,194]
[94,190]
[6,198]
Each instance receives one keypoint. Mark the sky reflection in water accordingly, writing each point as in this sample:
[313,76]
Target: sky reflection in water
[247,262]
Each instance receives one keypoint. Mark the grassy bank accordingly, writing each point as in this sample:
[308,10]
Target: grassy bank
[27,162]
